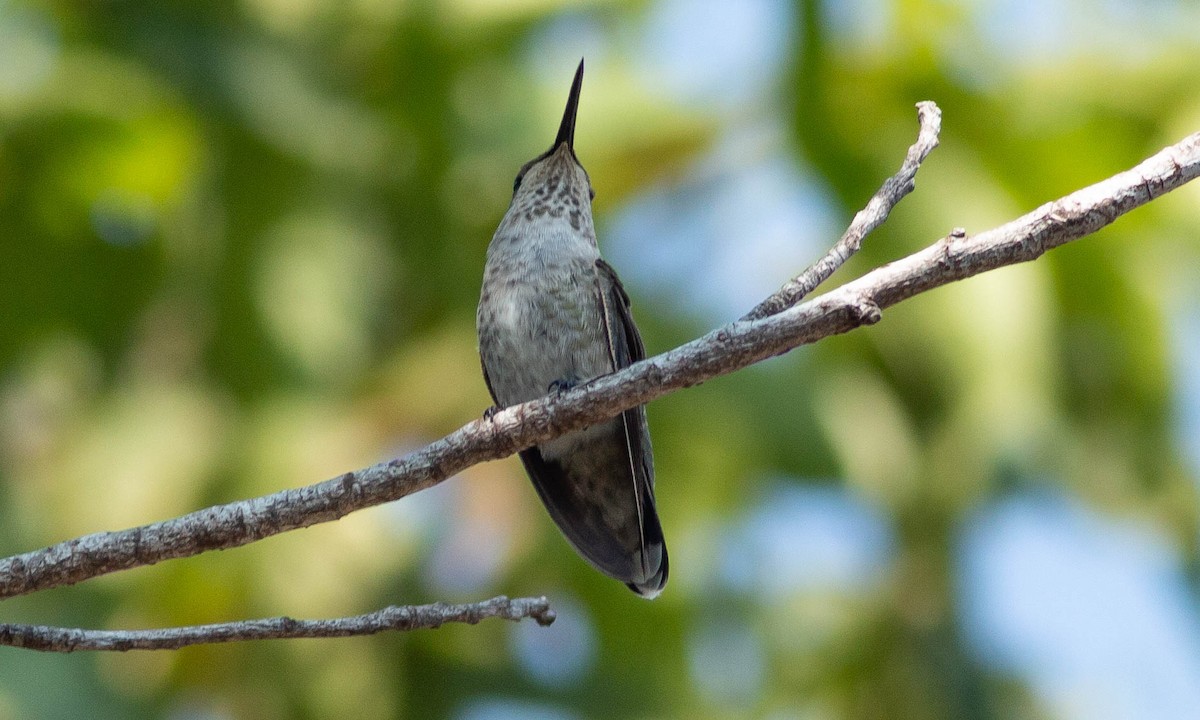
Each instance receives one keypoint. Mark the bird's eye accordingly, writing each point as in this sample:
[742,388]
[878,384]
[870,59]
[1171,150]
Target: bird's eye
[591,194]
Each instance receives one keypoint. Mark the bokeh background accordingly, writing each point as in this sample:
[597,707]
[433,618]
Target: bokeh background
[240,250]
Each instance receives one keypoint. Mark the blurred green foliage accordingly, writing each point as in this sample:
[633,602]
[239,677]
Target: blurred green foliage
[240,249]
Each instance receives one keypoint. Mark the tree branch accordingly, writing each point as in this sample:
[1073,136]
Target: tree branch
[870,217]
[720,352]
[410,617]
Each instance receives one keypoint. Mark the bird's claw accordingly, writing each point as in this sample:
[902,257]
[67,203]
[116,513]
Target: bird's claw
[558,387]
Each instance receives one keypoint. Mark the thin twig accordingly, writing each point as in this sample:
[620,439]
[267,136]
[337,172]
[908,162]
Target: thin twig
[720,352]
[394,618]
[870,217]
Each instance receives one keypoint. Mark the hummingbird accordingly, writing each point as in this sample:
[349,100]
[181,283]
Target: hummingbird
[553,314]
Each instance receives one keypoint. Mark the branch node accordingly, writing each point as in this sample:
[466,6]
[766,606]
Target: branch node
[866,311]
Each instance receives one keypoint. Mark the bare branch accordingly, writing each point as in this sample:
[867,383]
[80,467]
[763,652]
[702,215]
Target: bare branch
[410,617]
[872,216]
[720,352]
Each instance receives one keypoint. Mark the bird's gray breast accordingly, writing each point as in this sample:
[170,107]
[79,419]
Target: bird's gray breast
[540,316]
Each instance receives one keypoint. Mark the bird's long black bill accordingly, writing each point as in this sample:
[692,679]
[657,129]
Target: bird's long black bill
[566,131]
